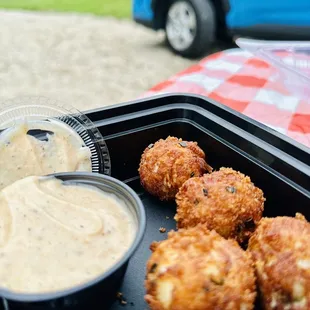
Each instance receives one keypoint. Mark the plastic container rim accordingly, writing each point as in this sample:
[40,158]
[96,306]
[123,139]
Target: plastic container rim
[77,177]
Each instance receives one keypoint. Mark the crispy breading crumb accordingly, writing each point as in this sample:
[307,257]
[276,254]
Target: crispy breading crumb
[300,216]
[121,299]
[119,295]
[162,229]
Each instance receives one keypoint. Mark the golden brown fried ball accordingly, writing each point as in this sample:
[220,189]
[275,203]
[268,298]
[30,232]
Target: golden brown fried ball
[281,249]
[225,200]
[167,164]
[197,269]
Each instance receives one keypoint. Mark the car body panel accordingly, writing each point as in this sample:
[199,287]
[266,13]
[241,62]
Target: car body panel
[264,18]
[251,13]
[142,11]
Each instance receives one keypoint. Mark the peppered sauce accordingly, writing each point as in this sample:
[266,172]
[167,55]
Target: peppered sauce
[55,236]
[22,154]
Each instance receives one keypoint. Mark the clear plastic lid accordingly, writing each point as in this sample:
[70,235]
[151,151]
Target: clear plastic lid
[40,109]
[291,58]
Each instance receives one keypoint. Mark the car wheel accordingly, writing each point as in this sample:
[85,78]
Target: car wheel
[190,26]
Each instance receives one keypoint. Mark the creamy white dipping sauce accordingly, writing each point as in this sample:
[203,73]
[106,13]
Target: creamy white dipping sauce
[55,236]
[23,155]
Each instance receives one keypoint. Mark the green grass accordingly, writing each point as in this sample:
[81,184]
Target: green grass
[116,8]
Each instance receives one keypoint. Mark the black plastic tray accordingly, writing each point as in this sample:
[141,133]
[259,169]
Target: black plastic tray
[274,162]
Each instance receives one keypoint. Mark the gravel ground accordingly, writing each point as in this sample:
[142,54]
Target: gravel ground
[82,60]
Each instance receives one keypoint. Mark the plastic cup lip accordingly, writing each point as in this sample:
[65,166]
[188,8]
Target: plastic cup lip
[77,177]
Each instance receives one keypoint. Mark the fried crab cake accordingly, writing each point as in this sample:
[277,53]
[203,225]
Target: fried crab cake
[167,164]
[280,248]
[225,200]
[197,269]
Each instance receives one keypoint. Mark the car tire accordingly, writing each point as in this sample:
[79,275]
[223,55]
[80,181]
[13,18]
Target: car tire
[205,27]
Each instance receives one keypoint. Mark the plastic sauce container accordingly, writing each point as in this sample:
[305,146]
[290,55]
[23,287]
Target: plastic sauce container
[32,109]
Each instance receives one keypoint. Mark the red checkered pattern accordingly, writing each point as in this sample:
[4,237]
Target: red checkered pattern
[247,84]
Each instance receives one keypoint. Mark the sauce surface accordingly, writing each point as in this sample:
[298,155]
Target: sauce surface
[23,155]
[55,236]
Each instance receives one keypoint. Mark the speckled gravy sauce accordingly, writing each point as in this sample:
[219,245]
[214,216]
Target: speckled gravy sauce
[22,155]
[55,236]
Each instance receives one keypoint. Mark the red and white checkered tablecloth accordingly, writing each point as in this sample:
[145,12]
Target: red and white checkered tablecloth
[239,80]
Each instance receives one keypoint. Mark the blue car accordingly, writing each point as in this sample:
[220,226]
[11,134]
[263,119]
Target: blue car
[191,26]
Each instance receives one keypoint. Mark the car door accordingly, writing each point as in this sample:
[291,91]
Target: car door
[277,17]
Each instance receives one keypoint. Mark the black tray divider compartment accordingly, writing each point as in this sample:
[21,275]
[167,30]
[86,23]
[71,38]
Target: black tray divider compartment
[275,163]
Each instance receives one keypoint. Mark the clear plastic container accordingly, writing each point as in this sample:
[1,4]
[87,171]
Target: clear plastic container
[291,58]
[34,109]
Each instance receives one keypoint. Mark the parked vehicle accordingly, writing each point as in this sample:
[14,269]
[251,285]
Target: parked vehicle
[191,26]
